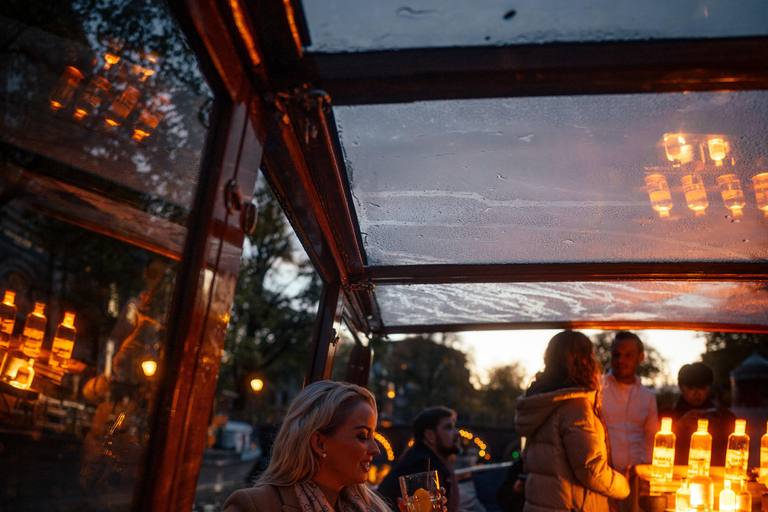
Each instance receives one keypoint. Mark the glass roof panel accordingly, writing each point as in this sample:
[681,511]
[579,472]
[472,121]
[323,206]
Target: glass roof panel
[351,25]
[560,179]
[630,301]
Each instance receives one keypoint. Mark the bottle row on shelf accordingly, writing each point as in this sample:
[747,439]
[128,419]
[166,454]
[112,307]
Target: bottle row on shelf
[32,340]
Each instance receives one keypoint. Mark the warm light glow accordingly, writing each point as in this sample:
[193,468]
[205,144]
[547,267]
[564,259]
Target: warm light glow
[700,452]
[733,197]
[149,368]
[110,60]
[662,464]
[391,393]
[257,385]
[91,98]
[24,376]
[386,444]
[717,150]
[760,182]
[727,498]
[666,425]
[69,319]
[9,297]
[741,426]
[65,88]
[122,106]
[677,150]
[658,191]
[695,193]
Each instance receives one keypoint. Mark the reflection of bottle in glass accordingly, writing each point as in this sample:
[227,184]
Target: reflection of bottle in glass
[151,117]
[24,376]
[764,456]
[683,497]
[65,88]
[737,454]
[34,330]
[695,193]
[663,451]
[702,493]
[7,318]
[733,197]
[677,149]
[122,106]
[63,342]
[700,452]
[760,182]
[744,499]
[727,498]
[91,98]
[658,191]
[717,150]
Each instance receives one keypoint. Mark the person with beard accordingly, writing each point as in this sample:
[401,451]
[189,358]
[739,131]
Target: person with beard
[566,454]
[695,382]
[435,438]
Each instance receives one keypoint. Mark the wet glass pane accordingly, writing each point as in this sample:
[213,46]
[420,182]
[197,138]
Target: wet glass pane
[561,179]
[631,301]
[350,25]
[103,117]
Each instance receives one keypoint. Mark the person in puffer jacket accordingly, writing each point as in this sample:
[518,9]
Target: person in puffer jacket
[566,452]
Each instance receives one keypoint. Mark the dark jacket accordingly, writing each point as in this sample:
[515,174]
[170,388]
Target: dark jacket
[721,424]
[415,461]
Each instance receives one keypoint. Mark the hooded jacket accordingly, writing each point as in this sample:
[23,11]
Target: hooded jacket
[565,455]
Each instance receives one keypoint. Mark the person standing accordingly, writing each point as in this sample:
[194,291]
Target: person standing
[435,438]
[566,456]
[695,382]
[629,408]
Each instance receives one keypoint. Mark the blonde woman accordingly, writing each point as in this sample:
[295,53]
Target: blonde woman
[320,457]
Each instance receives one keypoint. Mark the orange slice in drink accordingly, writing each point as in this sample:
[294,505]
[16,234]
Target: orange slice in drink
[422,501]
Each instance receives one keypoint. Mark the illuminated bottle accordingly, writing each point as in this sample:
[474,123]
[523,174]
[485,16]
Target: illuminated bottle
[122,106]
[743,499]
[683,497]
[663,451]
[658,191]
[727,498]
[24,376]
[7,319]
[702,493]
[695,193]
[65,88]
[764,456]
[760,181]
[91,98]
[151,117]
[700,452]
[677,149]
[733,197]
[717,150]
[737,453]
[34,330]
[63,342]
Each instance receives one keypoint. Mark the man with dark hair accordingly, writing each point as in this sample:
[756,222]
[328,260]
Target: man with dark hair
[435,438]
[629,408]
[695,382]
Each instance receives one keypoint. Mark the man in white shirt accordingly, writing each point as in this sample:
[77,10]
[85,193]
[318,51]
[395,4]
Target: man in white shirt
[629,408]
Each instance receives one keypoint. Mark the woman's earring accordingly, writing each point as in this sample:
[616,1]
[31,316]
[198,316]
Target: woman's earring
[325,454]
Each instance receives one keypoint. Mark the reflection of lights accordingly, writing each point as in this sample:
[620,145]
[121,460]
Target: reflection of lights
[695,193]
[761,191]
[466,434]
[515,454]
[149,368]
[717,150]
[403,366]
[151,117]
[257,385]
[658,191]
[677,150]
[391,393]
[65,89]
[730,188]
[410,443]
[122,106]
[90,100]
[385,443]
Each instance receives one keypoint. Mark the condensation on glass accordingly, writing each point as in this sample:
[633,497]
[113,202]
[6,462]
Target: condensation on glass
[611,178]
[706,302]
[102,124]
[350,25]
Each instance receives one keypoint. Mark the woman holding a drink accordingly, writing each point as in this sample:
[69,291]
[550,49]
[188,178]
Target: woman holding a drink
[566,455]
[320,457]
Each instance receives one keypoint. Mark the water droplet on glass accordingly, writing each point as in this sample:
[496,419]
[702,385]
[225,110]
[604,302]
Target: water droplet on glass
[736,221]
[745,240]
[568,241]
[526,138]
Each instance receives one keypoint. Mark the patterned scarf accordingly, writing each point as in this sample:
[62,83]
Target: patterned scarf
[312,499]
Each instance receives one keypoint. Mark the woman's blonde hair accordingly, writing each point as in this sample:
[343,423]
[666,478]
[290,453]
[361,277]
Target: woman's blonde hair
[323,407]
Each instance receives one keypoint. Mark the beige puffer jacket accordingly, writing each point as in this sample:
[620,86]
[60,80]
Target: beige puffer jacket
[565,455]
